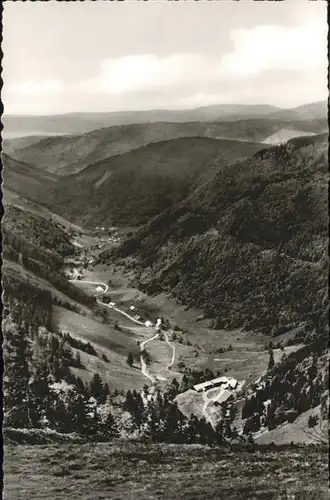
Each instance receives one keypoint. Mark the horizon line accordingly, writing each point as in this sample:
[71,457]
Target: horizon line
[150,110]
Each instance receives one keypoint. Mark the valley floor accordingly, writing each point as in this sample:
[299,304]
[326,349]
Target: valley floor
[150,472]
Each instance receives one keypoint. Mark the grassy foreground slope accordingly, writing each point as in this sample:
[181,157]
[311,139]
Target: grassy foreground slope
[130,471]
[250,247]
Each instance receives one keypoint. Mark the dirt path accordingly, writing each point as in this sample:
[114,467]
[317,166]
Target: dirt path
[171,363]
[207,402]
[144,368]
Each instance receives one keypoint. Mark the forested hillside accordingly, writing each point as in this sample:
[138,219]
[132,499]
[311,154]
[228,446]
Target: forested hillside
[250,247]
[39,246]
[132,188]
[67,154]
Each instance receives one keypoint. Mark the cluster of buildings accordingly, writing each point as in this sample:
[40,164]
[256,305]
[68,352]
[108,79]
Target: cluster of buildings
[74,274]
[224,382]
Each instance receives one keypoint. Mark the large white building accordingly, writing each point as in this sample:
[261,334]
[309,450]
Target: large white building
[225,382]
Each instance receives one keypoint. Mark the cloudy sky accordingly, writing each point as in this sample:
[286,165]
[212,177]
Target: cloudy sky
[106,56]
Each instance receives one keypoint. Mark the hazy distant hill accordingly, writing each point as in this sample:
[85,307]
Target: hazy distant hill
[65,155]
[131,188]
[77,123]
[311,111]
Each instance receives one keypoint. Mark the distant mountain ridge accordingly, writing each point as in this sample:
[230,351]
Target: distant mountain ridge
[77,123]
[68,154]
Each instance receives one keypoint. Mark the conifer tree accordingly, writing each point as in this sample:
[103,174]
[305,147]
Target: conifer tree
[110,427]
[77,413]
[41,396]
[130,359]
[271,359]
[16,384]
[96,388]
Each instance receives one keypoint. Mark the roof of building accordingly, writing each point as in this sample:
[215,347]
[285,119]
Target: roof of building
[224,396]
[233,382]
[203,385]
[220,380]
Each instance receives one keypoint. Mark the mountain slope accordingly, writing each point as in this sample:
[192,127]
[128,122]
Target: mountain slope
[131,188]
[65,155]
[69,154]
[23,178]
[9,145]
[250,247]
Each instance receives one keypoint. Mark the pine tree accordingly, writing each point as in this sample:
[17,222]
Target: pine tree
[110,427]
[153,424]
[77,360]
[129,404]
[77,413]
[16,384]
[106,392]
[97,389]
[172,420]
[173,390]
[271,359]
[81,388]
[184,383]
[60,416]
[191,431]
[130,359]
[134,404]
[41,396]
[219,432]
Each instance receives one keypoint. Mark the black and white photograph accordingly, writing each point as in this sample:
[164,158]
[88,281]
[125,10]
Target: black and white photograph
[165,250]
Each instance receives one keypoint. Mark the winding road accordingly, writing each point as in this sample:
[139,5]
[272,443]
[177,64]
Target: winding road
[144,368]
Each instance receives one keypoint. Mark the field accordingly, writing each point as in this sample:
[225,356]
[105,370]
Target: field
[246,360]
[297,432]
[150,472]
[114,344]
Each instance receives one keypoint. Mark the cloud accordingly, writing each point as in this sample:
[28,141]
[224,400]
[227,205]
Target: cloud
[255,51]
[143,71]
[45,87]
[281,65]
[276,48]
